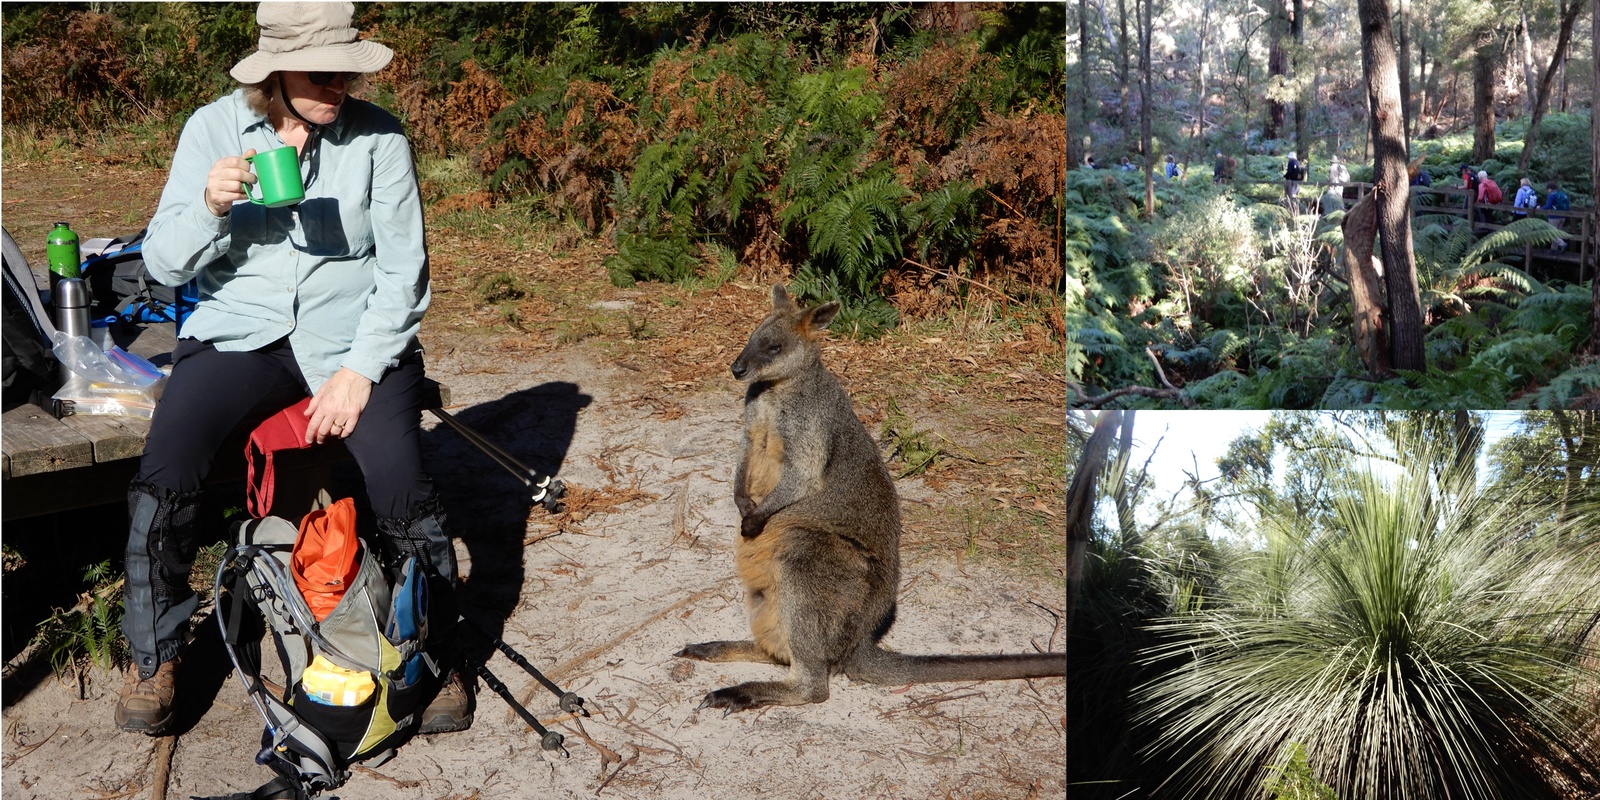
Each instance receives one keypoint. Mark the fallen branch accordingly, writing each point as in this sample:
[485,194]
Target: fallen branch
[164,747]
[1142,391]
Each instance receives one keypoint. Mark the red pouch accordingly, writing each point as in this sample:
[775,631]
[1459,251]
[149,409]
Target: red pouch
[285,430]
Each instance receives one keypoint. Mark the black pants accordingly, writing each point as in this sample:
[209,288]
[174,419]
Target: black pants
[211,393]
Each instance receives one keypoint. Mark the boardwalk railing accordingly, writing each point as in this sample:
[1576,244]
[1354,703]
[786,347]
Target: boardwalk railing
[1580,224]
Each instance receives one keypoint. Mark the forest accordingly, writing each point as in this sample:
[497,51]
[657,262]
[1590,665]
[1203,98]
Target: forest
[1357,605]
[1390,276]
[905,159]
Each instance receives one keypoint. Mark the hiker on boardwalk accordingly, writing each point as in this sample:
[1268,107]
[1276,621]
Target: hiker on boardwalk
[1557,200]
[1488,194]
[1526,198]
[1293,173]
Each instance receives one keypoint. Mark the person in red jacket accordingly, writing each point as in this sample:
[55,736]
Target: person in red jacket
[1488,192]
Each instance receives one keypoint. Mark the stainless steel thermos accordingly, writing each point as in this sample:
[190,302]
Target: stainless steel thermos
[72,307]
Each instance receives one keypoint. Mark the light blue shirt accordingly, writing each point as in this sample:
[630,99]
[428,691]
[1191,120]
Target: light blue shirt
[344,274]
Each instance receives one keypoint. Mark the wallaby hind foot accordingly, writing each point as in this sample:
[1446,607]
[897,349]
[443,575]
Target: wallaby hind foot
[805,685]
[727,651]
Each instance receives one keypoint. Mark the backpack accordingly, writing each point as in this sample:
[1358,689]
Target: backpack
[1491,193]
[1558,201]
[31,372]
[352,641]
[123,288]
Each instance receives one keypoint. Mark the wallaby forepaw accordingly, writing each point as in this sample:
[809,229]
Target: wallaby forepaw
[729,699]
[750,526]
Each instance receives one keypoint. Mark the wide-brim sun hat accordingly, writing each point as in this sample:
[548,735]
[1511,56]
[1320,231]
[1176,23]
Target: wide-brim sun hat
[309,37]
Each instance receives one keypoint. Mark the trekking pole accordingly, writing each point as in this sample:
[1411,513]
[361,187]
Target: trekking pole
[570,702]
[547,491]
[548,739]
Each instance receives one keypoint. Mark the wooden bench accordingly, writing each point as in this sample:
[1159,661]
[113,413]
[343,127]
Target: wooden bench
[52,465]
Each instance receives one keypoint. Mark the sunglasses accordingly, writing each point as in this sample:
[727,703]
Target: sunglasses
[325,78]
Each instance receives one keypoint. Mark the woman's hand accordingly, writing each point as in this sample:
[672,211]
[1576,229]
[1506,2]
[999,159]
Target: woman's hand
[337,406]
[225,183]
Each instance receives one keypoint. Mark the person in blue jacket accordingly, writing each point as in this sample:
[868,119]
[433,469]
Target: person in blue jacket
[1556,200]
[321,299]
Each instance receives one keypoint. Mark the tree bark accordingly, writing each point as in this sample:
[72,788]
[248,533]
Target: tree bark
[1483,64]
[1075,146]
[1081,502]
[1594,180]
[1122,45]
[1405,69]
[1146,26]
[1525,40]
[1366,288]
[1124,494]
[1297,29]
[1276,66]
[1393,187]
[1542,97]
[1200,76]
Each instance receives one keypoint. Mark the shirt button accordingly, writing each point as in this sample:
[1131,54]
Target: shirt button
[289,289]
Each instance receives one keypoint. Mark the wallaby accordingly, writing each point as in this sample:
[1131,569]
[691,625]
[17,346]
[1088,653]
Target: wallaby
[819,544]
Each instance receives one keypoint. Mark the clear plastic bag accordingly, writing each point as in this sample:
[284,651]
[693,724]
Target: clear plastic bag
[105,382]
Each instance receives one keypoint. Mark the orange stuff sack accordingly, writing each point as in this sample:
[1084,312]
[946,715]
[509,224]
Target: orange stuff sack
[324,557]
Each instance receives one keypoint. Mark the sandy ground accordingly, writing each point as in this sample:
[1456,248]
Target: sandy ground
[600,598]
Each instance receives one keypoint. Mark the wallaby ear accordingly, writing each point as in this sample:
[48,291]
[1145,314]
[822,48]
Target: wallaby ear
[780,298]
[818,318]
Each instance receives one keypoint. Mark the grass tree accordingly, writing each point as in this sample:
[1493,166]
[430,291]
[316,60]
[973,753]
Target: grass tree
[1426,641]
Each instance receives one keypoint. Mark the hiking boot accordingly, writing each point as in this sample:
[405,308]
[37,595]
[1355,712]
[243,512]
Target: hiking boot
[146,705]
[451,710]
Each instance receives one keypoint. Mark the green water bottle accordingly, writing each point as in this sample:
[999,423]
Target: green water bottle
[62,250]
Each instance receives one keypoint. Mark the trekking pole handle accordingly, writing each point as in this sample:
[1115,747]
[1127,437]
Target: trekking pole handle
[547,491]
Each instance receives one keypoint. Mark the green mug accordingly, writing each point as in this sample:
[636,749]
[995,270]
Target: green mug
[278,177]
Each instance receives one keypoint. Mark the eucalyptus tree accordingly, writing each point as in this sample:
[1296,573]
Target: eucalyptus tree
[1392,193]
[1540,99]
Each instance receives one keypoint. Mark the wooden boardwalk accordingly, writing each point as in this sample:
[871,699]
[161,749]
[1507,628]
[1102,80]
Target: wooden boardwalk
[1582,225]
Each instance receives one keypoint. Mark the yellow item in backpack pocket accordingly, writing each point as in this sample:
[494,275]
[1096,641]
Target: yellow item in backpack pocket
[332,685]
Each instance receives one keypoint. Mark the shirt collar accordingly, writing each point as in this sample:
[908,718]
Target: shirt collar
[252,121]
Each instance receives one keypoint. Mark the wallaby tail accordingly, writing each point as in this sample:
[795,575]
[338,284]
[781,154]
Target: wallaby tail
[874,664]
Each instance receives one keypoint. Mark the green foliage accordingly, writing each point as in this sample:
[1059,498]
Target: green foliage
[1396,644]
[90,632]
[1294,780]
[862,139]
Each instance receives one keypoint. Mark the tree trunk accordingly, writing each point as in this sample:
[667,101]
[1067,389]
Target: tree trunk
[1298,29]
[1145,27]
[1529,83]
[1122,45]
[1124,494]
[1076,148]
[1081,502]
[1405,68]
[1200,76]
[1276,66]
[1393,188]
[1594,180]
[1483,64]
[1366,288]
[1542,96]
